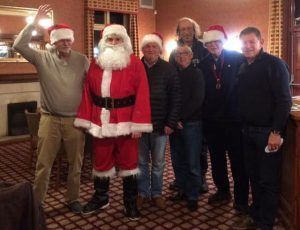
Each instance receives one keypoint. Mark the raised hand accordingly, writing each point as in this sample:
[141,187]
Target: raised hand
[43,10]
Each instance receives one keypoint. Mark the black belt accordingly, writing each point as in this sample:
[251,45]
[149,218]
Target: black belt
[111,103]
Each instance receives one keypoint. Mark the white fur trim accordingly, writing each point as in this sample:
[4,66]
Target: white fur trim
[213,35]
[118,30]
[151,38]
[82,123]
[115,29]
[105,116]
[115,130]
[109,173]
[105,84]
[105,89]
[63,33]
[125,173]
[145,128]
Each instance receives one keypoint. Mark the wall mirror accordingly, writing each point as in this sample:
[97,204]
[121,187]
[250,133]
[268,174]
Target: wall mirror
[12,21]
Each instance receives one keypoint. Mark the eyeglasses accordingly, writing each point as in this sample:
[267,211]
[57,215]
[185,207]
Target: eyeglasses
[178,54]
[217,42]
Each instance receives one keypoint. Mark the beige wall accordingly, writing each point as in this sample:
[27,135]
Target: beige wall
[233,15]
[146,22]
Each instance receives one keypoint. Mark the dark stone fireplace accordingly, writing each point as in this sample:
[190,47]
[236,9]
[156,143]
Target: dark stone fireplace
[17,124]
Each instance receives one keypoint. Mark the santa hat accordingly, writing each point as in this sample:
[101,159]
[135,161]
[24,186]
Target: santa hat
[154,37]
[117,30]
[60,31]
[214,33]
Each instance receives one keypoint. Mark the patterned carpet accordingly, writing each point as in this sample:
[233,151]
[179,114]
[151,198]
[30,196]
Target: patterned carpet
[14,168]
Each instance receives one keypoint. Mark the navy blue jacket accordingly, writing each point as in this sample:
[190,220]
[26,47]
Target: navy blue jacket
[165,95]
[220,105]
[264,93]
[192,88]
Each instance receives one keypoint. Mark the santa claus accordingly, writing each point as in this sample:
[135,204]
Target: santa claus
[115,110]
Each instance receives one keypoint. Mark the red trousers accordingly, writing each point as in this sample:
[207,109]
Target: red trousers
[120,152]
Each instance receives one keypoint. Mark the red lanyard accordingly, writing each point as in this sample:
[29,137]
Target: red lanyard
[218,75]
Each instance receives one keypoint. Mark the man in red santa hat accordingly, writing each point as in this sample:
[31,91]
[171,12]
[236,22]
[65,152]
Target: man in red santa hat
[115,110]
[221,120]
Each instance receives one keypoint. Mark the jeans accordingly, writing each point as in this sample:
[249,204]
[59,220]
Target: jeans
[222,138]
[185,155]
[151,145]
[203,157]
[264,172]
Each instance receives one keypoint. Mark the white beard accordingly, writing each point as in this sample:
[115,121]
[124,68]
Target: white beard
[113,57]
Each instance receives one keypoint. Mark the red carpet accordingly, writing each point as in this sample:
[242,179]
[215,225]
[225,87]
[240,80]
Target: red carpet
[14,168]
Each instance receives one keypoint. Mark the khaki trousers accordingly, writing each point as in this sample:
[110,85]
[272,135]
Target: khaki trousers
[53,131]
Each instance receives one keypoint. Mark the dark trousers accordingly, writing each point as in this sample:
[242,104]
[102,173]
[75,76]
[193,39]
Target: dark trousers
[185,154]
[264,172]
[222,138]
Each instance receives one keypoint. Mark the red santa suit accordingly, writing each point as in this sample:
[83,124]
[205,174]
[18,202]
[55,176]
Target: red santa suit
[111,128]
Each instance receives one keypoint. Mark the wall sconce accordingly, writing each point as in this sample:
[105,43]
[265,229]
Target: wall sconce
[233,42]
[45,23]
[170,46]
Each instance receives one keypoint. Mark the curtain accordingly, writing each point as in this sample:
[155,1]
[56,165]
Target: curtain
[133,33]
[89,33]
[276,28]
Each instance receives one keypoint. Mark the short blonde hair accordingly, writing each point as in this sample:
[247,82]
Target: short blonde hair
[185,47]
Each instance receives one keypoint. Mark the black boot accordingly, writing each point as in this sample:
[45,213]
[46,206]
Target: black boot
[130,196]
[100,197]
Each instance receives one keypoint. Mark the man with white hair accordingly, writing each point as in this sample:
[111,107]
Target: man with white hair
[165,109]
[61,72]
[189,33]
[115,110]
[221,122]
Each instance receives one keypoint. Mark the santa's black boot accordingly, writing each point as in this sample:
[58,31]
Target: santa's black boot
[130,196]
[100,197]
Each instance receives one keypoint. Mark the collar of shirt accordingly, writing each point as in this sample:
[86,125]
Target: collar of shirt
[148,64]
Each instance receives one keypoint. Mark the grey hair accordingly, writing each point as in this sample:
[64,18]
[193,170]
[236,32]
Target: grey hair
[196,26]
[184,46]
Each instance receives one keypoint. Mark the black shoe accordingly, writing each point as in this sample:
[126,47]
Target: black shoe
[242,208]
[204,185]
[173,186]
[203,189]
[94,205]
[219,197]
[131,211]
[179,196]
[75,207]
[130,197]
[192,205]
